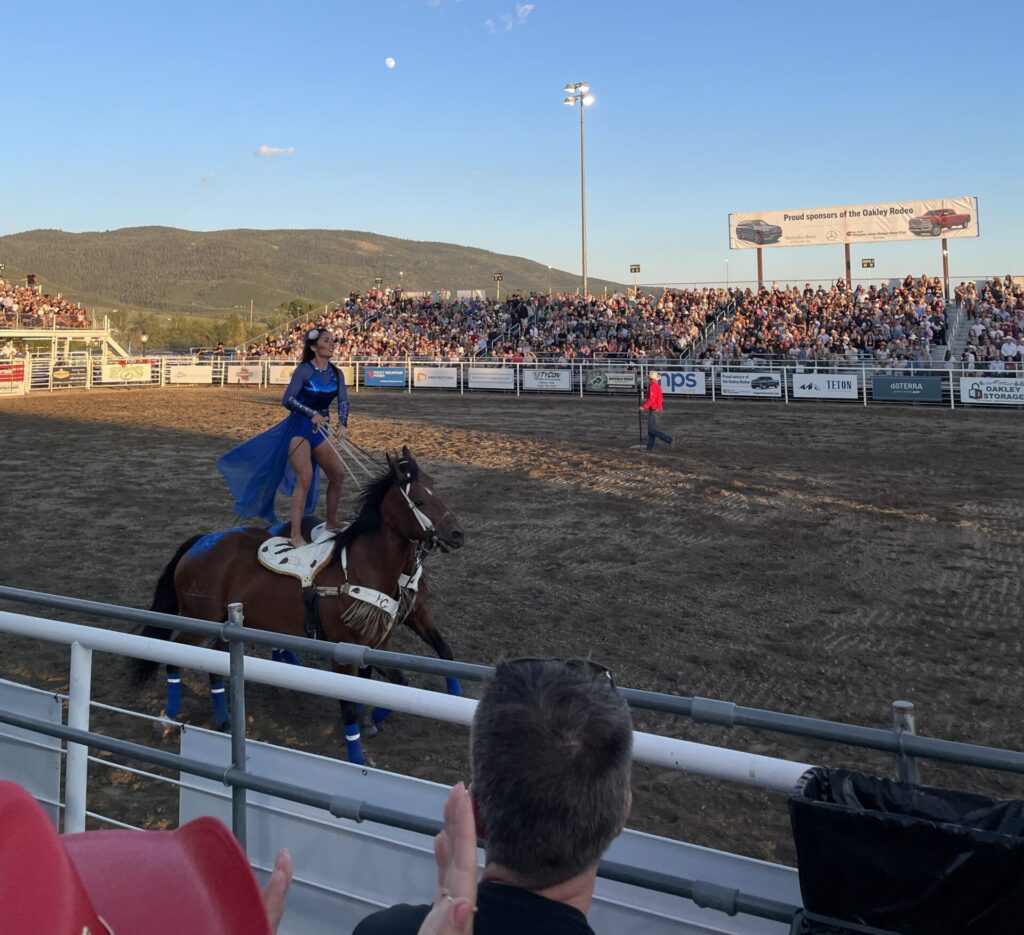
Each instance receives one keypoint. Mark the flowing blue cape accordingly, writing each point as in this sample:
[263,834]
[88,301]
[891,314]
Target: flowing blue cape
[256,469]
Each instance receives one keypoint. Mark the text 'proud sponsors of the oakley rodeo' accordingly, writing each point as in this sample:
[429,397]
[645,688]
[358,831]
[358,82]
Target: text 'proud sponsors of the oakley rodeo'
[1004,392]
[869,223]
[751,384]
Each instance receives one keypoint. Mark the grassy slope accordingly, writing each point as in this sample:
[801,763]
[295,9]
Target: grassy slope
[163,269]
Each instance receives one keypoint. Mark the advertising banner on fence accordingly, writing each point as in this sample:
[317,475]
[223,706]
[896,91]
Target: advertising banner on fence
[600,380]
[679,383]
[555,379]
[435,377]
[280,374]
[903,389]
[244,374]
[872,223]
[992,390]
[751,384]
[189,373]
[826,386]
[384,376]
[127,373]
[12,373]
[492,378]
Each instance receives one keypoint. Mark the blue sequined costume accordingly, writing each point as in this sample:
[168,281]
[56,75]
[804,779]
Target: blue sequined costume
[258,468]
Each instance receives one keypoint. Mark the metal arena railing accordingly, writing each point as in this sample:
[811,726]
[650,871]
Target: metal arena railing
[765,772]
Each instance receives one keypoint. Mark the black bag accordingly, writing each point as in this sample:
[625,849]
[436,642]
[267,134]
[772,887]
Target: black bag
[875,854]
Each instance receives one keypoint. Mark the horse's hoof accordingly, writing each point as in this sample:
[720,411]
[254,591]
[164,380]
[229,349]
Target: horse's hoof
[164,727]
[370,730]
[224,727]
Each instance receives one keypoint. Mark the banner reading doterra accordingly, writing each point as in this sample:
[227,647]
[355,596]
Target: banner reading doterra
[876,223]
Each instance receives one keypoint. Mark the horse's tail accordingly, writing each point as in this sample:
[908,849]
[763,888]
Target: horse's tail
[165,601]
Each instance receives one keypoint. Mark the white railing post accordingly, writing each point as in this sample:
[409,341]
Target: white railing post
[77,768]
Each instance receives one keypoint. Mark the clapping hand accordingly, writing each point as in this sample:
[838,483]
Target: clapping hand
[455,853]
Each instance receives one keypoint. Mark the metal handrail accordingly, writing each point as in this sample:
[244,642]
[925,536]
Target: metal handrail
[699,710]
[704,894]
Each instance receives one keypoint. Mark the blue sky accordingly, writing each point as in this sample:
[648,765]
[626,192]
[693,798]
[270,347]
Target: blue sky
[121,114]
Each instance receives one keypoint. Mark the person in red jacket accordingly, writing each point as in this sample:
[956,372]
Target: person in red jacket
[653,404]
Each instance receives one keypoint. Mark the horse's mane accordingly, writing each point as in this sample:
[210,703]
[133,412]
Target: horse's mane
[368,518]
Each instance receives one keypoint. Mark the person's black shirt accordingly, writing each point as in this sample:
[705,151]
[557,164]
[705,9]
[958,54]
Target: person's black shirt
[501,910]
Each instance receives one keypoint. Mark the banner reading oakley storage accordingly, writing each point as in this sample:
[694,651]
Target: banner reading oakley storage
[875,223]
[1005,392]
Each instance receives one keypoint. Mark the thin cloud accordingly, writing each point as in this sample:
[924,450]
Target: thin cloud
[507,21]
[207,177]
[265,150]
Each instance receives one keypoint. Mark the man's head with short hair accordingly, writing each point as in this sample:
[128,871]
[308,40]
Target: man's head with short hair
[551,753]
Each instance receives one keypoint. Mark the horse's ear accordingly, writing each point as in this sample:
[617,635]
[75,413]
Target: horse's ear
[391,462]
[406,453]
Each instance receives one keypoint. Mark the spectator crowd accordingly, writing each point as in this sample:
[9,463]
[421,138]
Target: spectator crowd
[537,326]
[26,307]
[995,329]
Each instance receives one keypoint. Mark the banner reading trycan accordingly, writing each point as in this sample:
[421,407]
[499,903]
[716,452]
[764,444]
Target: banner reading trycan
[871,223]
[992,390]
[435,377]
[751,384]
[683,383]
[492,378]
[825,386]
[558,380]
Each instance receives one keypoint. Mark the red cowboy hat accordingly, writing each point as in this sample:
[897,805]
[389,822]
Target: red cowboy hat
[195,879]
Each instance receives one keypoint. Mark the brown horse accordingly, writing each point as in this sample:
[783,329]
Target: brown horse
[400,519]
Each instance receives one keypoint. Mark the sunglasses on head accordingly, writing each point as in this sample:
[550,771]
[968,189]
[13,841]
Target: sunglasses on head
[597,670]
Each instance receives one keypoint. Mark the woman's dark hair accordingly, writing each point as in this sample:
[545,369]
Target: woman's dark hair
[309,343]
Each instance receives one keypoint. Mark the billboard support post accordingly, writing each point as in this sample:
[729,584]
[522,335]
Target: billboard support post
[849,275]
[760,269]
[945,268]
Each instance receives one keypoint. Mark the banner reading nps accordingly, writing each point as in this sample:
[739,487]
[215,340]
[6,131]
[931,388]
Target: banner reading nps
[873,223]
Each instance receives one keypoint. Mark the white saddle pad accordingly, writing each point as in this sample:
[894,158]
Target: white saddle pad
[305,562]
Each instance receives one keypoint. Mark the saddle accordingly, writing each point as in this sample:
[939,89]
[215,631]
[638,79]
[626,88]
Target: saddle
[305,562]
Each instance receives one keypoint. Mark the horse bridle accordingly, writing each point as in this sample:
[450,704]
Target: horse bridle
[425,522]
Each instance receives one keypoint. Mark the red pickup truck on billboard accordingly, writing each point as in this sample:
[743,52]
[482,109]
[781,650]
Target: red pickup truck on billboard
[932,223]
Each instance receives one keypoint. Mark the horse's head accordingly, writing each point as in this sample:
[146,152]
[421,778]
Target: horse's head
[420,514]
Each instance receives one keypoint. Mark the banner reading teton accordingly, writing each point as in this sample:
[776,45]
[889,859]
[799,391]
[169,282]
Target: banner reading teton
[877,223]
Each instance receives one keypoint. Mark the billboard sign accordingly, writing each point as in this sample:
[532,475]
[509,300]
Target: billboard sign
[751,384]
[992,390]
[435,377]
[384,376]
[555,379]
[492,378]
[825,386]
[872,223]
[907,389]
[683,383]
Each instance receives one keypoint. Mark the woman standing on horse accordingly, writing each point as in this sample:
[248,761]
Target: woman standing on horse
[287,456]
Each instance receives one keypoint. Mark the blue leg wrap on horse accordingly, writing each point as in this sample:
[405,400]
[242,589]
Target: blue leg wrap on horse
[288,656]
[220,704]
[173,696]
[380,714]
[277,655]
[454,686]
[353,745]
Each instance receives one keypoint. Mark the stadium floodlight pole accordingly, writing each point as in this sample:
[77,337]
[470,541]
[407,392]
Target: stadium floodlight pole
[579,93]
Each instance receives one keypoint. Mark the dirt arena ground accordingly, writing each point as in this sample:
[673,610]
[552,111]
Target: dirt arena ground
[821,560]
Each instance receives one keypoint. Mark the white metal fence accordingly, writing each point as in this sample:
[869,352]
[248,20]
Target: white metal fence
[783,381]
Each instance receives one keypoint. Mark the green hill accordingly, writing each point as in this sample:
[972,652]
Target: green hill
[171,271]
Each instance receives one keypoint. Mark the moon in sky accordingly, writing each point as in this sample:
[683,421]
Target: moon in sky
[390,62]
